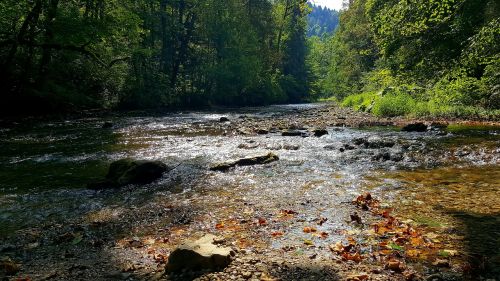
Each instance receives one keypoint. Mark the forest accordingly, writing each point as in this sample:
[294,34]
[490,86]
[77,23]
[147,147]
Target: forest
[249,140]
[390,58]
[64,55]
[418,58]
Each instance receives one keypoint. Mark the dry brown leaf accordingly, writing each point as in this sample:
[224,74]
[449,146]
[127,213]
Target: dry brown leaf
[356,257]
[277,234]
[395,265]
[308,229]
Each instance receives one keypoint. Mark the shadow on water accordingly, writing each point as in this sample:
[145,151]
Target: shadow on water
[482,243]
[102,243]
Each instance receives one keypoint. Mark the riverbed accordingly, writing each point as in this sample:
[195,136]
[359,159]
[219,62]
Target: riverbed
[446,180]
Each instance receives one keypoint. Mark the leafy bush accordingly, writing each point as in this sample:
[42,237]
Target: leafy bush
[361,102]
[394,104]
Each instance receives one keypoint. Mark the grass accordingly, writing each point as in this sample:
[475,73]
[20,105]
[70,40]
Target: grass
[403,104]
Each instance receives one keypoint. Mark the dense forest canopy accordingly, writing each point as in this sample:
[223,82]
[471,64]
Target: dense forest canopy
[394,57]
[70,54]
[432,57]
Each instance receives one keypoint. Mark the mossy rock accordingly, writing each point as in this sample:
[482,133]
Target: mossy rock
[128,171]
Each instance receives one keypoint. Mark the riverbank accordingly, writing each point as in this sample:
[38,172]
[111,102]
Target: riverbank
[283,219]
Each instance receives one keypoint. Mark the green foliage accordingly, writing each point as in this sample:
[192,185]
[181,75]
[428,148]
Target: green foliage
[322,21]
[422,58]
[394,104]
[152,53]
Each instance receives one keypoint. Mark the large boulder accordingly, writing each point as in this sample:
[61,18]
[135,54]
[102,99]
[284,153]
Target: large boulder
[254,160]
[128,171]
[201,254]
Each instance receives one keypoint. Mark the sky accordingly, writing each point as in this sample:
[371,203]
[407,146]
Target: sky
[332,4]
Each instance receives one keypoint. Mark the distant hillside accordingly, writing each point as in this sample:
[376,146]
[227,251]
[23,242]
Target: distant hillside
[322,21]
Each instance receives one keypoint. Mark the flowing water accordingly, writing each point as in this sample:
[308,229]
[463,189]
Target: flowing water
[445,178]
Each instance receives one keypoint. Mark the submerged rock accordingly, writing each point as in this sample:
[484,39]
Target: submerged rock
[223,119]
[128,171]
[415,127]
[262,131]
[255,160]
[291,147]
[201,254]
[107,125]
[294,133]
[320,132]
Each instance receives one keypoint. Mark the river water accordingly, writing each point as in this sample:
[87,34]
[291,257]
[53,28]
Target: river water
[448,178]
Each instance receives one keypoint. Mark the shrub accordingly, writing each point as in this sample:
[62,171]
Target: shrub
[394,104]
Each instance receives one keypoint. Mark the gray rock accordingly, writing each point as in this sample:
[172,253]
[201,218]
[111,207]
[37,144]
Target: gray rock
[201,254]
[255,160]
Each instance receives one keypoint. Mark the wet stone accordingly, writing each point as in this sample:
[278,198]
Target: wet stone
[415,127]
[255,160]
[320,132]
[294,133]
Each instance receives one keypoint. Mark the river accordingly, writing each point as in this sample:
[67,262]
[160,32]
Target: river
[447,179]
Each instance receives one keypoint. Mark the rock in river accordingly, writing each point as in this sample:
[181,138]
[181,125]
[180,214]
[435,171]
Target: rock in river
[415,127]
[294,133]
[199,255]
[255,160]
[320,132]
[128,171]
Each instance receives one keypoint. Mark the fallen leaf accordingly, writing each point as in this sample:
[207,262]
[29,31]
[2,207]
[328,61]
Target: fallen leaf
[409,275]
[337,247]
[449,253]
[219,225]
[277,234]
[395,265]
[356,218]
[441,263]
[413,253]
[308,229]
[356,257]
[262,222]
[321,221]
[322,235]
[308,242]
[78,238]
